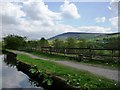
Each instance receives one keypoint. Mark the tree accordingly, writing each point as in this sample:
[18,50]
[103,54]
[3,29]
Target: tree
[71,42]
[58,43]
[32,44]
[82,43]
[111,42]
[14,41]
[43,42]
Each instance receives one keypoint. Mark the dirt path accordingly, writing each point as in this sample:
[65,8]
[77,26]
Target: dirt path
[110,74]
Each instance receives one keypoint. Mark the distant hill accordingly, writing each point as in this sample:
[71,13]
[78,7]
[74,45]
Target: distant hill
[76,35]
[109,35]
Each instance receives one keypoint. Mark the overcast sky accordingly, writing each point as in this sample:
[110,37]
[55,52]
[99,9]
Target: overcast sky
[47,19]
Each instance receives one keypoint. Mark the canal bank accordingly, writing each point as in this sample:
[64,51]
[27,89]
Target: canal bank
[11,77]
[81,79]
[44,79]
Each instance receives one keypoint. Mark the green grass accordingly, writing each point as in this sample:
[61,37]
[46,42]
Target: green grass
[73,76]
[50,56]
[62,57]
[109,65]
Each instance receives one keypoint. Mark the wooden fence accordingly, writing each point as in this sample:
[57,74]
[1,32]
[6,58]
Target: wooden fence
[86,53]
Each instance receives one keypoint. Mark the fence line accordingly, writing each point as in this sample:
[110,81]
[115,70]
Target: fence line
[106,54]
[113,53]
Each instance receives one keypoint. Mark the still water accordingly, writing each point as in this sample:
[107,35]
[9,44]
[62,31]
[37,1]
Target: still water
[10,77]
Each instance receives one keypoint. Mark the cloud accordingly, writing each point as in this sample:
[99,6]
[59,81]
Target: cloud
[114,5]
[38,11]
[100,19]
[11,10]
[94,29]
[114,22]
[10,14]
[6,19]
[32,17]
[109,7]
[69,10]
[36,20]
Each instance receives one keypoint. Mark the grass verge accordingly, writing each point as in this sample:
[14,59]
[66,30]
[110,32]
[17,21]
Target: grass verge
[93,62]
[51,56]
[72,76]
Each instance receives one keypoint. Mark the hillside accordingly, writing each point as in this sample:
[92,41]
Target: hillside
[109,35]
[76,35]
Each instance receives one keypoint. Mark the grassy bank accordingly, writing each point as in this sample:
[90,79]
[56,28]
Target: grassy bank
[72,76]
[51,56]
[93,62]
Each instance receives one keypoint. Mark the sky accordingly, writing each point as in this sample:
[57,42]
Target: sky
[46,19]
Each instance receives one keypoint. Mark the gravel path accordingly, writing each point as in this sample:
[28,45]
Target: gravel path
[110,74]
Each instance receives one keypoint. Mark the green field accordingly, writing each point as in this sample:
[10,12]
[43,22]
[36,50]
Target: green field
[72,76]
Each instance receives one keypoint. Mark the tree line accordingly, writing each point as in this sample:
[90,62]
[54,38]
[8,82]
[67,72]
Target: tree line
[18,42]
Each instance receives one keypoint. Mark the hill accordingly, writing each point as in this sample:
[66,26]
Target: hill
[76,35]
[109,35]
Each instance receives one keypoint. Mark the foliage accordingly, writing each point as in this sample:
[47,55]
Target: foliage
[111,41]
[42,74]
[0,45]
[46,78]
[33,69]
[82,43]
[43,42]
[14,41]
[31,44]
[71,42]
[58,43]
[37,44]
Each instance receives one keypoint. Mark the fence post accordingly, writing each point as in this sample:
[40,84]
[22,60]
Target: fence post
[50,50]
[42,49]
[64,51]
[119,56]
[90,55]
[112,54]
[80,56]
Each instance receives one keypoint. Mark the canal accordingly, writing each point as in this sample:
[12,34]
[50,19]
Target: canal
[10,77]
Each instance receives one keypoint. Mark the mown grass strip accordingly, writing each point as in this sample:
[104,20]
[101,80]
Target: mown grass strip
[73,76]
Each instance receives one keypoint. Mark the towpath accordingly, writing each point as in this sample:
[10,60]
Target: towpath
[108,73]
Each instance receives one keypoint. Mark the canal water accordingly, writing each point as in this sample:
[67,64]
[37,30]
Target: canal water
[10,77]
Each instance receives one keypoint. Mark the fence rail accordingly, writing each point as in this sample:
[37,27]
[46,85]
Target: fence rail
[91,53]
[106,54]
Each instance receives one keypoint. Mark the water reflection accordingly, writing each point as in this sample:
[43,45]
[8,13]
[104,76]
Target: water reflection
[9,61]
[12,78]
